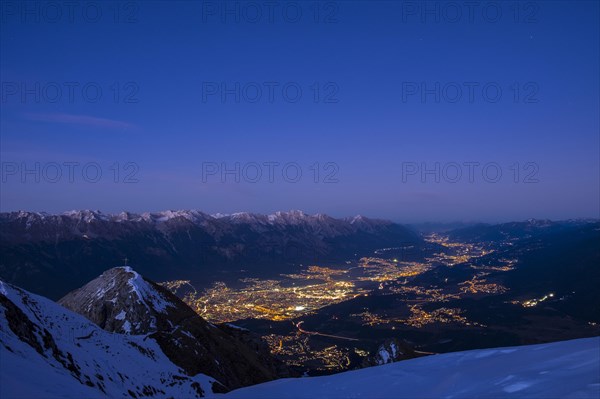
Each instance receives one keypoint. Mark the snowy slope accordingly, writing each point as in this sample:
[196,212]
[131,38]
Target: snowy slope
[568,369]
[46,351]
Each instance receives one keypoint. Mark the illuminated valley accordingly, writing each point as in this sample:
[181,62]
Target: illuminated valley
[270,299]
[298,350]
[294,295]
[385,295]
[290,296]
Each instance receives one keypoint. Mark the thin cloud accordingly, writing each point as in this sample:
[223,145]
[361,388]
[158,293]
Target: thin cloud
[84,120]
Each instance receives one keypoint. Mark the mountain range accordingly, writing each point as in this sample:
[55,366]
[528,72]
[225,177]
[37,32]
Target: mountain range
[54,254]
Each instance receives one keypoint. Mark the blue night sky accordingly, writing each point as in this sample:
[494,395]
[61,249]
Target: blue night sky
[375,118]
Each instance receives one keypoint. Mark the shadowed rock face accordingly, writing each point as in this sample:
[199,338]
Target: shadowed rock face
[122,301]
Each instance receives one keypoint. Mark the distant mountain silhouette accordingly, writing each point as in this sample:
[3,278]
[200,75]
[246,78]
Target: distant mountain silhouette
[53,254]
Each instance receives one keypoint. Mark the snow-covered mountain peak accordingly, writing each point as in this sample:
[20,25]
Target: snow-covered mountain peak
[294,214]
[120,300]
[291,217]
[164,216]
[357,218]
[86,215]
[147,294]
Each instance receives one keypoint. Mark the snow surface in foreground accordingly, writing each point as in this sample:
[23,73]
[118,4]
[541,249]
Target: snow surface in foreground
[569,369]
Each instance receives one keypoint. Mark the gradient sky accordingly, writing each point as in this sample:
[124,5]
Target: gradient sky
[371,53]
